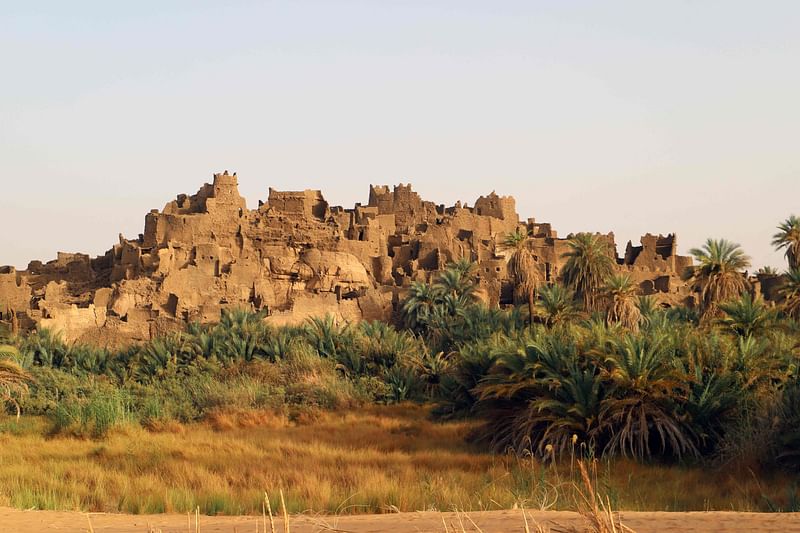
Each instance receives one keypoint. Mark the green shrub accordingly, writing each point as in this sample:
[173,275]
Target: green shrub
[724,389]
[94,415]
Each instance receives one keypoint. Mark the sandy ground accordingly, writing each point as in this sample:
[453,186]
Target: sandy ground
[12,520]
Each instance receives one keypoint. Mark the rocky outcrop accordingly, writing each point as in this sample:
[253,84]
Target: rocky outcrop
[294,256]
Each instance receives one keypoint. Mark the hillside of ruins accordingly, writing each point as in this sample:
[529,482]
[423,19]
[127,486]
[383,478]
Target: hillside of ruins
[293,257]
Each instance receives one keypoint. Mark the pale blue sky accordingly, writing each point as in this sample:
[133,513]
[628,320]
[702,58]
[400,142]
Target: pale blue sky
[627,116]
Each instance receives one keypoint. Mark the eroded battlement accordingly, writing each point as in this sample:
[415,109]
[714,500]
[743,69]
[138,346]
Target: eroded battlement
[294,256]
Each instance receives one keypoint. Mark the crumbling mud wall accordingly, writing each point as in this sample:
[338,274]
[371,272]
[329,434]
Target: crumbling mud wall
[294,256]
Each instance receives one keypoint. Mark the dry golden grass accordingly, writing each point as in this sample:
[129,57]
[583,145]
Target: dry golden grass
[380,459]
[596,508]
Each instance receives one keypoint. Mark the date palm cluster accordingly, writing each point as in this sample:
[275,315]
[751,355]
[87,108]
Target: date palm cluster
[583,364]
[601,367]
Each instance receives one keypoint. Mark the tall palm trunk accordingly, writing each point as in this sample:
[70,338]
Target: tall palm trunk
[522,270]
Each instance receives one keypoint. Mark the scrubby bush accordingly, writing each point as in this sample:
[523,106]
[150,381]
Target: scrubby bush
[239,364]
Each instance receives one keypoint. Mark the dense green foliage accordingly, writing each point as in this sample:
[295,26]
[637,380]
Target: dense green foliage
[670,390]
[788,239]
[591,368]
[240,363]
[621,301]
[719,274]
[790,292]
[589,265]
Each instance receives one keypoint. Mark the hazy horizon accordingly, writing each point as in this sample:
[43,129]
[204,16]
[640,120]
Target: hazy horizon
[632,118]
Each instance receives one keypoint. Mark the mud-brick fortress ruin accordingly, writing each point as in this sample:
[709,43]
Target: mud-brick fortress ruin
[294,256]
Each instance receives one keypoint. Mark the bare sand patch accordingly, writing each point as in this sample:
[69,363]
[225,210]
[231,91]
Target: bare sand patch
[18,521]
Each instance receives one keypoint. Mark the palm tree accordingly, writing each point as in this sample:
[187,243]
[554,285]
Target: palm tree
[45,348]
[13,379]
[642,408]
[790,292]
[522,269]
[430,368]
[620,292]
[570,410]
[746,315]
[788,452]
[382,347]
[162,354]
[456,282]
[767,271]
[589,264]
[556,305]
[719,274]
[540,395]
[713,399]
[464,266]
[648,310]
[327,336]
[756,367]
[789,238]
[457,391]
[418,305]
[8,351]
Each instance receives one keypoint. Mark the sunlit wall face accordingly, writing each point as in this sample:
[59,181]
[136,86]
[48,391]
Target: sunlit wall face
[627,116]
